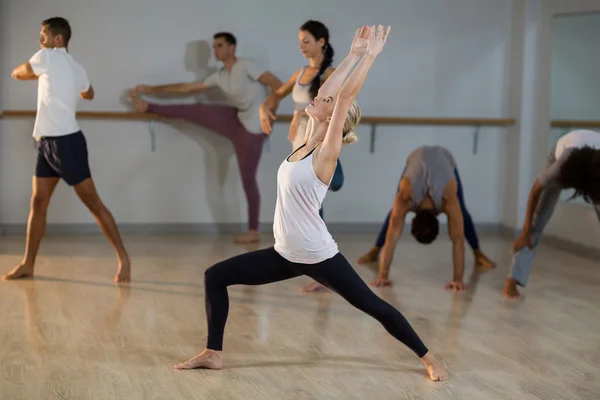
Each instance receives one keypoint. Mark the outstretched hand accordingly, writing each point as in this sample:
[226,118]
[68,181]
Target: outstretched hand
[360,41]
[377,40]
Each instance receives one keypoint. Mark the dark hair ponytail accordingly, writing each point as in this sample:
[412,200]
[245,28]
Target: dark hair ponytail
[319,31]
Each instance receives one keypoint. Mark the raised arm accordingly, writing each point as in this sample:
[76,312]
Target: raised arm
[332,143]
[457,236]
[334,83]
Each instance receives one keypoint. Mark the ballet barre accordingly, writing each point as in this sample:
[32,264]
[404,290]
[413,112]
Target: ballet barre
[566,125]
[477,123]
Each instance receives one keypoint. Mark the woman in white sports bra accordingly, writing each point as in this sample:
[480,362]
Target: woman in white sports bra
[304,85]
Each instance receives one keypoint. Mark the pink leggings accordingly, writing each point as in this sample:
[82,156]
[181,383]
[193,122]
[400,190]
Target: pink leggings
[224,121]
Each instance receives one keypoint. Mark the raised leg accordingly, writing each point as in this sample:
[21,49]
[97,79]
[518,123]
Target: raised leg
[338,275]
[254,268]
[520,268]
[36,226]
[219,119]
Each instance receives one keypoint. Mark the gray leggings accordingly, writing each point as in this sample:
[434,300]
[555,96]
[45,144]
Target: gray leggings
[520,267]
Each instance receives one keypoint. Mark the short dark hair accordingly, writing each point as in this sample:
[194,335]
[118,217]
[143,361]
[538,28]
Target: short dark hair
[59,26]
[425,226]
[581,172]
[229,38]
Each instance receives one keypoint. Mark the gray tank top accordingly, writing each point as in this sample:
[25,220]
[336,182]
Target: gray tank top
[429,169]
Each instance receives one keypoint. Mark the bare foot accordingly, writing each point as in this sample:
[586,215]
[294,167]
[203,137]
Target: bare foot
[436,372]
[248,237]
[124,271]
[312,287]
[482,261]
[510,289]
[140,105]
[19,272]
[371,256]
[208,359]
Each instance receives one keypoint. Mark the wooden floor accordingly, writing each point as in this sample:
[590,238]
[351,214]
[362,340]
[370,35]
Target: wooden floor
[70,333]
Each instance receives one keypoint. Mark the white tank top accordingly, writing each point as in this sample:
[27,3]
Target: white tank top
[301,235]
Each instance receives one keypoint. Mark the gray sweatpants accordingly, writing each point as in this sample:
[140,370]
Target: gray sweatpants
[522,261]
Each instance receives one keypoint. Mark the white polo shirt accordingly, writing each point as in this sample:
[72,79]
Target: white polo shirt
[242,89]
[60,83]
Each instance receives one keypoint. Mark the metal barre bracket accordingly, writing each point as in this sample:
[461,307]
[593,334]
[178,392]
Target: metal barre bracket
[153,136]
[372,141]
[476,138]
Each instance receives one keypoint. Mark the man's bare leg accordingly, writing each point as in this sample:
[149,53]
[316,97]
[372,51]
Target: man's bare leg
[86,191]
[42,189]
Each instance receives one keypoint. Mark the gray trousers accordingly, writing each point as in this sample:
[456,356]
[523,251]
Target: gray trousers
[520,267]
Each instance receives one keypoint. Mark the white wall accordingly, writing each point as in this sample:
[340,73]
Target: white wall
[571,222]
[575,85]
[447,58]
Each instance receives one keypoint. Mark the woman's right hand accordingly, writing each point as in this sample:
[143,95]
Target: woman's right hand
[266,116]
[377,39]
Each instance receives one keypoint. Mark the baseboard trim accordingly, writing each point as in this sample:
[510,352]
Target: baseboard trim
[206,228]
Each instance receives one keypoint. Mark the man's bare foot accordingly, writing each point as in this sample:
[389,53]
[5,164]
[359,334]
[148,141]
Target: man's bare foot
[19,272]
[482,261]
[140,105]
[371,256]
[248,237]
[208,359]
[124,271]
[436,372]
[312,287]
[510,289]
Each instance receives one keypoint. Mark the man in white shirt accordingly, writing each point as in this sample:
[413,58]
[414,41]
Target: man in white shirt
[574,163]
[243,83]
[62,149]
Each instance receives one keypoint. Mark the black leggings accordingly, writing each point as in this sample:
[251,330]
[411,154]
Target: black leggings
[267,266]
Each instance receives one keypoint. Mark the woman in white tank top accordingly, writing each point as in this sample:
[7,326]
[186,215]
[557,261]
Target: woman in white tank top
[303,246]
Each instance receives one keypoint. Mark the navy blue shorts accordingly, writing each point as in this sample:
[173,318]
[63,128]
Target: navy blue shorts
[63,157]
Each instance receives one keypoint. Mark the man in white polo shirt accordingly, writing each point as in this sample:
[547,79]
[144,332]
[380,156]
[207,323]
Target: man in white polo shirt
[62,149]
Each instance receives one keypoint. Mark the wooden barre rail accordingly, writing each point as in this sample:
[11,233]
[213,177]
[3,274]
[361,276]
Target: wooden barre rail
[568,123]
[373,121]
[286,118]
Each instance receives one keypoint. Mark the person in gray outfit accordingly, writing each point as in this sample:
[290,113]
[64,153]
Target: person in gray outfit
[429,185]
